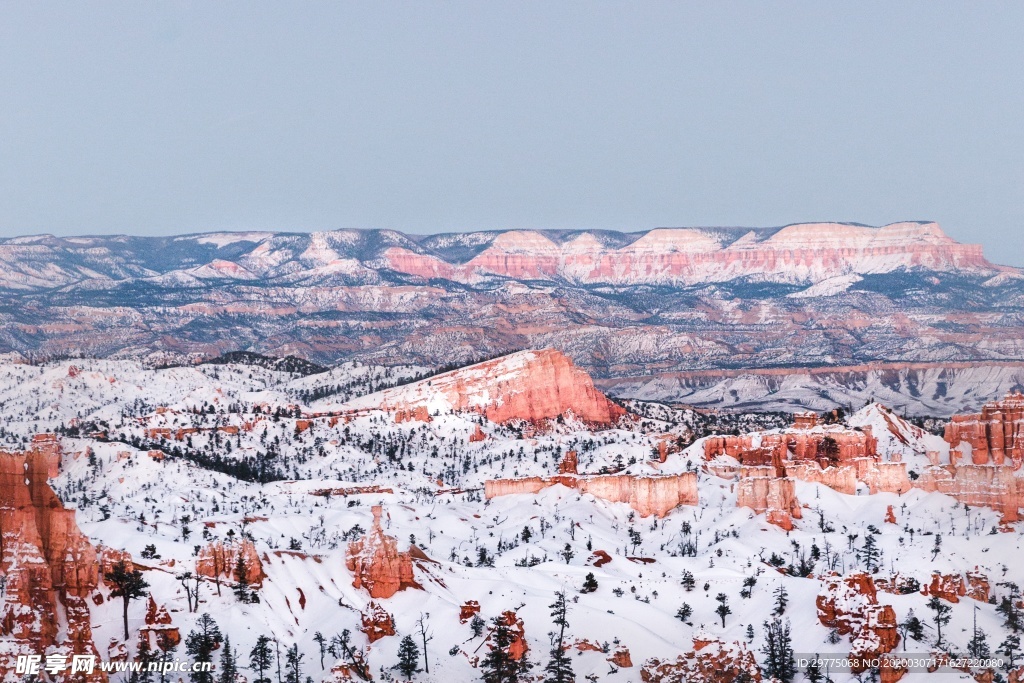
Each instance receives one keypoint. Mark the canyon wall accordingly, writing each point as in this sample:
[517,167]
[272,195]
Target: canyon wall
[763,493]
[50,566]
[992,486]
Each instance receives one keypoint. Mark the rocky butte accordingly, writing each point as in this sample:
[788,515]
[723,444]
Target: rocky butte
[535,386]
[994,435]
[50,566]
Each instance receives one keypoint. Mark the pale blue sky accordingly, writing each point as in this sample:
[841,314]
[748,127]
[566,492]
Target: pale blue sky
[157,118]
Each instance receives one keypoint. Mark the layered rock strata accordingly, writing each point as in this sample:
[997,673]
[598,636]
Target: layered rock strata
[648,495]
[377,565]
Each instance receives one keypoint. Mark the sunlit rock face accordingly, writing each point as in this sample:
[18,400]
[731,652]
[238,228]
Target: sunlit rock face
[993,436]
[49,565]
[648,495]
[712,660]
[993,486]
[377,564]
[220,561]
[534,386]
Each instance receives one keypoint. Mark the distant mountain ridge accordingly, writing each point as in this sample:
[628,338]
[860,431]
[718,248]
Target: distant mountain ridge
[620,305]
[801,254]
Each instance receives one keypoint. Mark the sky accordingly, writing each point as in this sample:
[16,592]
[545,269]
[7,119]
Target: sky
[179,117]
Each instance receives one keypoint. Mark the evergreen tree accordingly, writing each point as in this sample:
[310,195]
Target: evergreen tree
[145,657]
[1013,619]
[1009,649]
[912,627]
[228,666]
[978,645]
[589,583]
[813,672]
[128,585]
[498,666]
[688,581]
[260,658]
[869,553]
[200,644]
[781,600]
[750,633]
[943,613]
[242,590]
[937,548]
[723,607]
[779,661]
[408,657]
[293,665]
[476,625]
[684,613]
[321,642]
[559,668]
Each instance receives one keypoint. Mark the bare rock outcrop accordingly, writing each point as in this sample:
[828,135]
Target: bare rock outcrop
[50,565]
[992,486]
[219,561]
[995,435]
[773,496]
[376,563]
[535,386]
[711,661]
[849,604]
[648,495]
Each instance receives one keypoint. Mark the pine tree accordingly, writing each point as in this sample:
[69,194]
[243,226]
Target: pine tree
[684,613]
[260,658]
[813,672]
[498,666]
[723,607]
[1009,648]
[242,591]
[778,651]
[781,600]
[201,643]
[476,625]
[128,585]
[978,645]
[145,658]
[1013,619]
[912,627]
[942,615]
[937,548]
[869,553]
[293,665]
[589,583]
[688,581]
[559,668]
[408,657]
[228,667]
[321,642]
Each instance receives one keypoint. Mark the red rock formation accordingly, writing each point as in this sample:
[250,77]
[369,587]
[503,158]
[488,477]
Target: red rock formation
[805,420]
[468,610]
[995,435]
[518,647]
[687,256]
[530,385]
[993,486]
[50,566]
[569,464]
[218,560]
[949,587]
[850,605]
[776,497]
[654,495]
[978,586]
[477,435]
[795,444]
[711,661]
[599,558]
[621,658]
[376,563]
[890,516]
[376,622]
[159,630]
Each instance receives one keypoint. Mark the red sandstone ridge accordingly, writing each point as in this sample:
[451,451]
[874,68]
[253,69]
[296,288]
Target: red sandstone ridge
[50,565]
[219,560]
[993,436]
[377,564]
[654,495]
[689,255]
[528,385]
[993,486]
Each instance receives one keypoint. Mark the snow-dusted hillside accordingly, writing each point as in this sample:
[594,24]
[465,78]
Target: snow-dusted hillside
[183,458]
